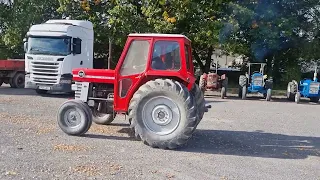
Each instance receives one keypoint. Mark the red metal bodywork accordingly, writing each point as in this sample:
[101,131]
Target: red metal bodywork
[184,75]
[12,65]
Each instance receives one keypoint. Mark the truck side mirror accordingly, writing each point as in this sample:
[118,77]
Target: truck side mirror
[25,46]
[76,46]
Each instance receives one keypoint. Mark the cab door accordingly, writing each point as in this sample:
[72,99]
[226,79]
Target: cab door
[130,71]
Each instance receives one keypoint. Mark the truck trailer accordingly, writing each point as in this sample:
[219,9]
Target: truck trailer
[12,72]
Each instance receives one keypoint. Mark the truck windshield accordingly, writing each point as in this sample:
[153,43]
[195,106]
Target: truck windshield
[57,46]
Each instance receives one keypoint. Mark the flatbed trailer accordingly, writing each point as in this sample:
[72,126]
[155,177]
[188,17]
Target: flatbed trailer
[12,71]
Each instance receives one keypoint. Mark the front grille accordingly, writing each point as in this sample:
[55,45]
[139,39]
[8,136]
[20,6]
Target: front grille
[314,88]
[78,87]
[257,81]
[45,73]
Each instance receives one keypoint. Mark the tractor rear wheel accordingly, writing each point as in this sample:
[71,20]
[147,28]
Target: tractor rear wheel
[268,96]
[224,88]
[163,114]
[74,117]
[314,99]
[202,83]
[291,91]
[297,97]
[242,80]
[200,101]
[244,92]
[243,86]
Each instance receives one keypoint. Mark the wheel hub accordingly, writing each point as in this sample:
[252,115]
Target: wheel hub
[72,117]
[162,115]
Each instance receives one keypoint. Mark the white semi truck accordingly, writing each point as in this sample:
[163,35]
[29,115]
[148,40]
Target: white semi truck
[53,49]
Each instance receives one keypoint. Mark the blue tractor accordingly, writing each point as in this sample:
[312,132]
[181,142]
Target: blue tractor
[257,82]
[308,88]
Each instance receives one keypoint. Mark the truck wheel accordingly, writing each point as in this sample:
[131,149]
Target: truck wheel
[18,80]
[163,114]
[314,99]
[103,119]
[200,101]
[291,90]
[202,84]
[297,97]
[41,92]
[269,93]
[74,118]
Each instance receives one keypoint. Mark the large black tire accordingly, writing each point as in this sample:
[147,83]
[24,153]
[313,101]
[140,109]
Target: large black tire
[200,101]
[314,99]
[224,88]
[242,81]
[269,94]
[202,84]
[102,119]
[291,91]
[244,92]
[18,80]
[297,97]
[74,110]
[163,114]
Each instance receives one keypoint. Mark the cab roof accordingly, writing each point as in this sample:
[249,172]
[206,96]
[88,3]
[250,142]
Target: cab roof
[159,35]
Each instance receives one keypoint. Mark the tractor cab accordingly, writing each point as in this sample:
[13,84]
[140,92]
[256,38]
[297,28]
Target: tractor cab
[153,83]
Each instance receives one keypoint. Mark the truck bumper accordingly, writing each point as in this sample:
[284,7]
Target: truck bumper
[61,87]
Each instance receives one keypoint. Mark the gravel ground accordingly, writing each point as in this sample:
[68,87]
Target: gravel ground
[237,139]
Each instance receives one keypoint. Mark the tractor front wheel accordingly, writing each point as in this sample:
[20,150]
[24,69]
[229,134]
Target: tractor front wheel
[223,92]
[163,114]
[74,117]
[291,90]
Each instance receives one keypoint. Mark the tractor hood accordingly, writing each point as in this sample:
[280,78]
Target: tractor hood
[94,75]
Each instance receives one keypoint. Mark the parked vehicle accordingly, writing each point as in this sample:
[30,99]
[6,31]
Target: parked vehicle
[257,82]
[153,83]
[53,49]
[213,82]
[12,72]
[308,88]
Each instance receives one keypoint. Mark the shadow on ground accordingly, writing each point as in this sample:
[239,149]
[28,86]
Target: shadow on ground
[254,144]
[241,143]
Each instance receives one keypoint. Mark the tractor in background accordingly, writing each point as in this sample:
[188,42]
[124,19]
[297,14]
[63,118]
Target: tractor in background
[257,82]
[213,82]
[153,83]
[308,88]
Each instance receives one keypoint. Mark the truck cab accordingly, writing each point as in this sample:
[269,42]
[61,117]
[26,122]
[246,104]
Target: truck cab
[53,49]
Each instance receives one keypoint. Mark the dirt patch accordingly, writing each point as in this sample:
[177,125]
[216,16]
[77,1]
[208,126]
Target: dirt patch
[69,148]
[89,170]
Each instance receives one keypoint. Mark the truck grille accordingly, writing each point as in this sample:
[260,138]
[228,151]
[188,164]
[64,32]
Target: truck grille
[45,73]
[314,88]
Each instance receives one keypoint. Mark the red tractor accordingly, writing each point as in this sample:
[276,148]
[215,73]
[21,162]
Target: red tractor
[153,83]
[214,82]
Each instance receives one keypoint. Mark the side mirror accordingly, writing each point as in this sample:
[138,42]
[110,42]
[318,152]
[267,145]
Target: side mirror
[76,46]
[25,46]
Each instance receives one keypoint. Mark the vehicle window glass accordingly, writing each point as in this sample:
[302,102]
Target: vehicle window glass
[136,58]
[166,56]
[187,56]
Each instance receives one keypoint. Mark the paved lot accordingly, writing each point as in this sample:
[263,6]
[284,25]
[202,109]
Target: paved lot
[237,139]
